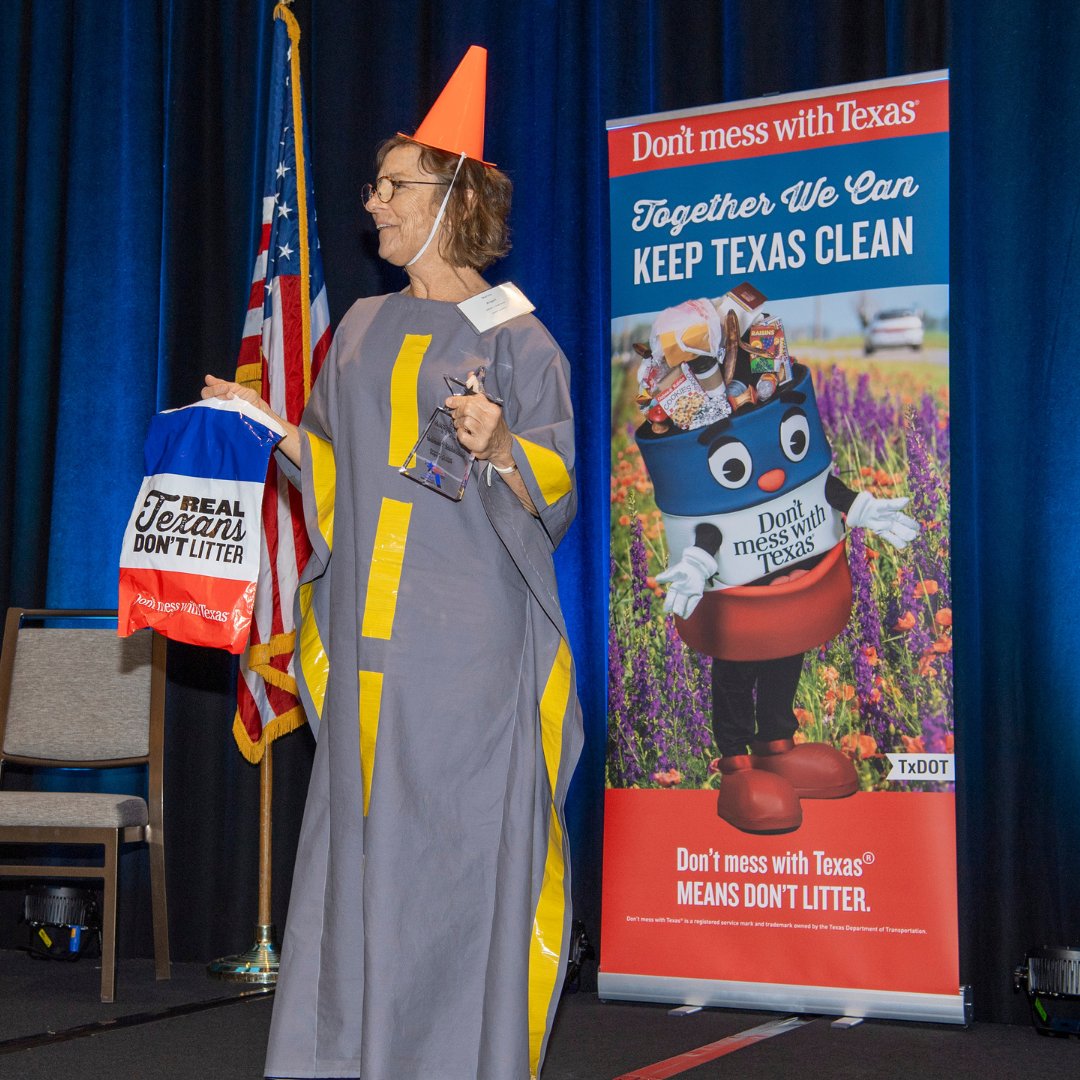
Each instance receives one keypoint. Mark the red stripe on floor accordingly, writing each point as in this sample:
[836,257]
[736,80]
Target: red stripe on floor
[692,1058]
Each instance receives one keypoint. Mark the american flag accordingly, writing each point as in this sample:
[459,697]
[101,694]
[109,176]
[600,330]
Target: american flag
[286,337]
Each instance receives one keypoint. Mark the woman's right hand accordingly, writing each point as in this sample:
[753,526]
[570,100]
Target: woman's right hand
[222,388]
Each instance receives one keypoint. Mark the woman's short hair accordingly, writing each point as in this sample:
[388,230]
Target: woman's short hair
[476,229]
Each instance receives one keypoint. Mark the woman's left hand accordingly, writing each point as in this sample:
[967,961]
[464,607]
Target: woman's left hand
[481,428]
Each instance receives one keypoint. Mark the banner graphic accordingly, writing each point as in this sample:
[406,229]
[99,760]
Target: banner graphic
[779,823]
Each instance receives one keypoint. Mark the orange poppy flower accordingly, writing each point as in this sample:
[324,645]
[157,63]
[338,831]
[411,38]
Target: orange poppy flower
[829,674]
[926,588]
[905,622]
[913,746]
[668,778]
[944,617]
[942,644]
[804,717]
[863,745]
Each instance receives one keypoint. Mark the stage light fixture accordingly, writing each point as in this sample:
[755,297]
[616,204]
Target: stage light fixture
[64,923]
[1051,978]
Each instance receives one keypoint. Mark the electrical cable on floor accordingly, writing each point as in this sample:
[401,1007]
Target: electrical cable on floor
[98,1027]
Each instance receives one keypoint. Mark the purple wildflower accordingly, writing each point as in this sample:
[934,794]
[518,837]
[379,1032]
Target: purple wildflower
[934,732]
[639,571]
[868,643]
[623,764]
[834,400]
[866,415]
[683,697]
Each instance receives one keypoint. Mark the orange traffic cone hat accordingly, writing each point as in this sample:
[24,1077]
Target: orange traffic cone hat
[455,122]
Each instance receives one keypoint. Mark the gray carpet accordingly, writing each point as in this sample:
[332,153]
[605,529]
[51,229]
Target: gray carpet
[50,995]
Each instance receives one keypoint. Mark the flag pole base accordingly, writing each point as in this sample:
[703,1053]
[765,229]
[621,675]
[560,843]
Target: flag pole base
[258,965]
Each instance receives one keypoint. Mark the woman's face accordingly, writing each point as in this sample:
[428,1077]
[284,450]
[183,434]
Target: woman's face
[405,221]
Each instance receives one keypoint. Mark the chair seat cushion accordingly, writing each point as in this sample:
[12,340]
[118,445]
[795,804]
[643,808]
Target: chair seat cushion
[89,810]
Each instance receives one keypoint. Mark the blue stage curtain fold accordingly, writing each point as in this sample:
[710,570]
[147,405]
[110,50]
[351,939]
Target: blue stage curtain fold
[1016,511]
[108,304]
[35,166]
[129,172]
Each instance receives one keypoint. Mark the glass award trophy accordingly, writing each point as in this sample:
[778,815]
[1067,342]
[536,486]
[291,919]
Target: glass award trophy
[438,461]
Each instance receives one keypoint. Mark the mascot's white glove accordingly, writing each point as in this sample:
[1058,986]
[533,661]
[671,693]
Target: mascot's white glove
[686,581]
[884,517]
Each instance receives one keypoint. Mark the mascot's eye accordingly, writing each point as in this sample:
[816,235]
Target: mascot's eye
[794,435]
[730,463]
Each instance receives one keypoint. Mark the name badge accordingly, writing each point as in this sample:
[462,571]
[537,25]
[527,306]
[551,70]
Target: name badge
[495,306]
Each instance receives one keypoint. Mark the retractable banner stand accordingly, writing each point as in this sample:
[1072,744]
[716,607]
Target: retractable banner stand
[779,825]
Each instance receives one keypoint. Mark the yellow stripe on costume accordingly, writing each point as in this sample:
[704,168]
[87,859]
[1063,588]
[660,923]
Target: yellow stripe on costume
[314,662]
[384,575]
[548,468]
[550,917]
[324,482]
[371,683]
[404,418]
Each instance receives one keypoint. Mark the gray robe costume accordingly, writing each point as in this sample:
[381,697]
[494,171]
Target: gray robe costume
[430,913]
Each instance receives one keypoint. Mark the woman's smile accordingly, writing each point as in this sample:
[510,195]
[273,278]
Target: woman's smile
[403,223]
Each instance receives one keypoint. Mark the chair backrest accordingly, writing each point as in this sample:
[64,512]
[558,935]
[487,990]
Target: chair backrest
[71,690]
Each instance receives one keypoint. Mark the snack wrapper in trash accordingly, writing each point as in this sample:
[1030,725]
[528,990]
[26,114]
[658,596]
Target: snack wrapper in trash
[689,405]
[190,559]
[690,329]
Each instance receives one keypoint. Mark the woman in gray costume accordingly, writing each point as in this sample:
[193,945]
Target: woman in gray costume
[430,913]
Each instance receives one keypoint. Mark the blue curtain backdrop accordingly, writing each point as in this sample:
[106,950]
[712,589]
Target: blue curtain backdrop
[129,166]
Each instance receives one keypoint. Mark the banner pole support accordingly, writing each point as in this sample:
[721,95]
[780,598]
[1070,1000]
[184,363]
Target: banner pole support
[260,964]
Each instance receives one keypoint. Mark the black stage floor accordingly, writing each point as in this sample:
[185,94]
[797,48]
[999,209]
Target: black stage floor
[193,1026]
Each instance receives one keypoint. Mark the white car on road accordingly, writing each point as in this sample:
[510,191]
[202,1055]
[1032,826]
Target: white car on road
[894,329]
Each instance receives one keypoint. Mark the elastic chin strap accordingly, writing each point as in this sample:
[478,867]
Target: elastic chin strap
[439,215]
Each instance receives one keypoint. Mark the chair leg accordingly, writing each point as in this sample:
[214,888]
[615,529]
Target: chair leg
[108,919]
[159,908]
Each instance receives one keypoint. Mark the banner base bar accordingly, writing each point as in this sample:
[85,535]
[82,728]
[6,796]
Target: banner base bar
[779,997]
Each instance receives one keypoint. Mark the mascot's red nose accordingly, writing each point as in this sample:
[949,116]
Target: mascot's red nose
[773,480]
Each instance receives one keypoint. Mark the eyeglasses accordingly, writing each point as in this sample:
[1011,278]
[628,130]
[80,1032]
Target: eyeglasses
[386,187]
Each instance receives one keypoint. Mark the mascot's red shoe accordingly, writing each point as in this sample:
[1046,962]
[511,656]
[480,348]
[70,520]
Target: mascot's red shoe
[814,770]
[755,801]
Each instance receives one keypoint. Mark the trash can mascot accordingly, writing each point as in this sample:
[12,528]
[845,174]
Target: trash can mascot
[754,516]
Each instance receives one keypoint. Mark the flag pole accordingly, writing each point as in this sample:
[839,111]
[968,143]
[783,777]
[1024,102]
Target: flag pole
[260,964]
[260,366]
